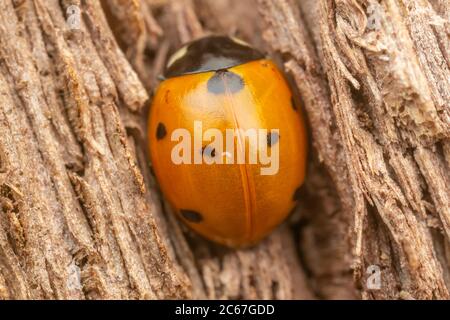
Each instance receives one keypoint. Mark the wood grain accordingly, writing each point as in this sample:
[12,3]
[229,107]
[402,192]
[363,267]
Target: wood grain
[82,217]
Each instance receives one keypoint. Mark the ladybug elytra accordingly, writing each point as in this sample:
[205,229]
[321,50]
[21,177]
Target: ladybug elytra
[220,96]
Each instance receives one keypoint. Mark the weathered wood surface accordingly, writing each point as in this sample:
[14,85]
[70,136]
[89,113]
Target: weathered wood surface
[81,216]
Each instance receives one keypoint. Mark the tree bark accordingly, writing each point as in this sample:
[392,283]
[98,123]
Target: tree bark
[82,217]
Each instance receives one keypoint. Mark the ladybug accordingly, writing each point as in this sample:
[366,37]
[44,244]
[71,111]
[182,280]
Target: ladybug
[220,84]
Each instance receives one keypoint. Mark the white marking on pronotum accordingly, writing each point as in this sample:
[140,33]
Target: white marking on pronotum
[177,56]
[241,42]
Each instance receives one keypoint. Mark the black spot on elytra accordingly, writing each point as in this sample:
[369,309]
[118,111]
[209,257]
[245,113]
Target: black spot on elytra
[191,216]
[208,151]
[297,194]
[272,138]
[161,131]
[224,80]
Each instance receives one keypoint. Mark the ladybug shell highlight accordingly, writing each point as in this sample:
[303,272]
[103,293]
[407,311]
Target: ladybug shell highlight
[226,84]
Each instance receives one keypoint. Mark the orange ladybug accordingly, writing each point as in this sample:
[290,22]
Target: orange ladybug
[227,143]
